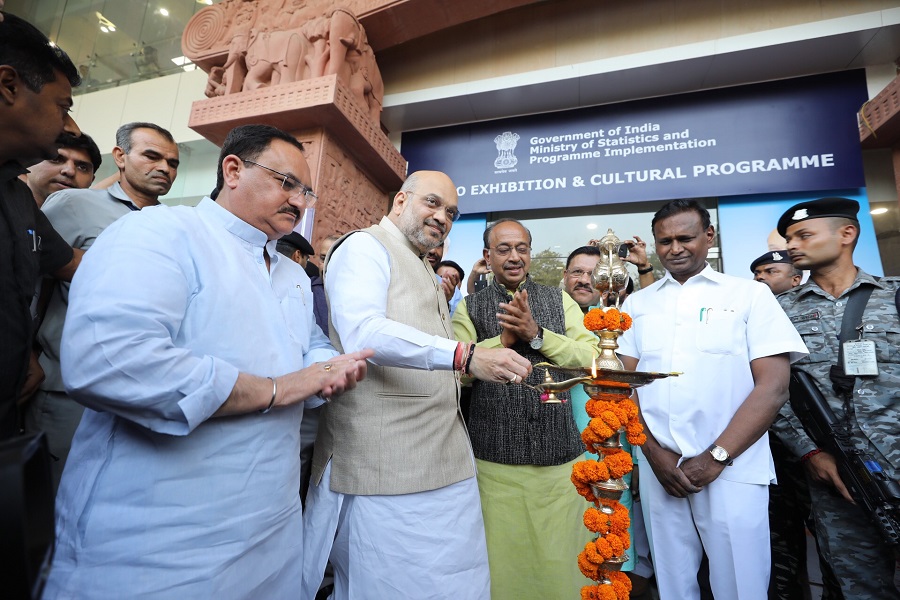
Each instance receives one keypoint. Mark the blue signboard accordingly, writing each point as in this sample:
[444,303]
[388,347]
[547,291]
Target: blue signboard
[782,136]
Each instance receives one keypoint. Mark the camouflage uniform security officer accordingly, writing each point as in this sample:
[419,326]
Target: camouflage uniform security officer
[821,236]
[789,504]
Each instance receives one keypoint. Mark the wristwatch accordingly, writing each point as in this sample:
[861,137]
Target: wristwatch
[720,455]
[538,341]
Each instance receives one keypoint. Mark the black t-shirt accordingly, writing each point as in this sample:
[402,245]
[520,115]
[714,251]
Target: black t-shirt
[29,248]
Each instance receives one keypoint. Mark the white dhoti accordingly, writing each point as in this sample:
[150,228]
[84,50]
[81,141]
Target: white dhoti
[730,520]
[423,545]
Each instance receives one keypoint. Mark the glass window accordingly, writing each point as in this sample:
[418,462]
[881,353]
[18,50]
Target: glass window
[114,42]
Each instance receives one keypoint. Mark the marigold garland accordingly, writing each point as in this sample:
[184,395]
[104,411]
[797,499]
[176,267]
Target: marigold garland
[611,319]
[601,523]
[610,414]
[618,589]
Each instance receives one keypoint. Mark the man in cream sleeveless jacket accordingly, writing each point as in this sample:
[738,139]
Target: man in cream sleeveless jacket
[393,500]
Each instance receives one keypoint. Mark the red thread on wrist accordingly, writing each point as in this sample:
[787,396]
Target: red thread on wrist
[810,454]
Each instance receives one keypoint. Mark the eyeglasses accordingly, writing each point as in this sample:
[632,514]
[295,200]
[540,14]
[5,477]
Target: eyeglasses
[434,203]
[291,185]
[578,273]
[504,249]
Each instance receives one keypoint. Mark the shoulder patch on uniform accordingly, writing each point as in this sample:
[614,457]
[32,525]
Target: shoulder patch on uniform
[807,317]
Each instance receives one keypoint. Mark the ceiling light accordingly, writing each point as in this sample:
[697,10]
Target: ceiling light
[592,226]
[164,12]
[106,26]
[184,62]
[206,2]
[878,211]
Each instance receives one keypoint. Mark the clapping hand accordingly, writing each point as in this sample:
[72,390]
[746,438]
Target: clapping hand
[516,320]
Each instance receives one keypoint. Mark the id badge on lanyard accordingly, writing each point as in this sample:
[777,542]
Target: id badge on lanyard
[860,357]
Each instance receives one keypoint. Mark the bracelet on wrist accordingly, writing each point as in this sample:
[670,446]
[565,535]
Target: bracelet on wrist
[810,454]
[641,271]
[468,366]
[458,357]
[272,401]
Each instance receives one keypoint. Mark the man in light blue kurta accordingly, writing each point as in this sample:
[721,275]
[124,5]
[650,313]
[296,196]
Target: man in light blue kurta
[192,345]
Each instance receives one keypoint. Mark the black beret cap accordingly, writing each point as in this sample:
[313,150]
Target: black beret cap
[770,258]
[299,242]
[817,209]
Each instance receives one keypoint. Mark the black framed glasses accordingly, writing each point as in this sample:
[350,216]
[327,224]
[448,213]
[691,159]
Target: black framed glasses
[291,185]
[435,203]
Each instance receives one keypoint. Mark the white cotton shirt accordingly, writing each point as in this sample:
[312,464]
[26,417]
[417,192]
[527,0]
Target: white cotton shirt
[708,329]
[158,499]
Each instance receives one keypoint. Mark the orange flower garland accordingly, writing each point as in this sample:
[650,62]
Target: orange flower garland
[602,523]
[611,319]
[619,588]
[610,414]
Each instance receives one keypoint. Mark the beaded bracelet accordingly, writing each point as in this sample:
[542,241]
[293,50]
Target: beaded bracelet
[272,401]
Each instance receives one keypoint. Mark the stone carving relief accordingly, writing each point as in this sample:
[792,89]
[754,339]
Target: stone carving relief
[360,203]
[282,41]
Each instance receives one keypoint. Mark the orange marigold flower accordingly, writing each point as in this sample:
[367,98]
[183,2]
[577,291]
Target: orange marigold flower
[608,592]
[589,592]
[593,554]
[589,569]
[612,421]
[626,321]
[589,438]
[596,521]
[634,433]
[604,548]
[616,545]
[586,492]
[618,464]
[620,583]
[599,427]
[595,407]
[593,320]
[629,408]
[619,522]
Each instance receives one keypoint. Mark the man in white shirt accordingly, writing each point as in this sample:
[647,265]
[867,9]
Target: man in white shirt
[707,447]
[192,345]
[393,499]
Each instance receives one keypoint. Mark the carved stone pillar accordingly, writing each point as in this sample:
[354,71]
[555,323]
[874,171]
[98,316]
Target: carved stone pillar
[263,69]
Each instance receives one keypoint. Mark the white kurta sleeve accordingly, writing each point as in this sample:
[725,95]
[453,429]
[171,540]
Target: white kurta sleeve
[357,284]
[126,306]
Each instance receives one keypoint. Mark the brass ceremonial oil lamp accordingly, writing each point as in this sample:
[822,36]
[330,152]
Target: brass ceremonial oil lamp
[601,482]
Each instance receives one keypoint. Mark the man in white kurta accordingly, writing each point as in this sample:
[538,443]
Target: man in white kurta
[393,499]
[192,345]
[707,446]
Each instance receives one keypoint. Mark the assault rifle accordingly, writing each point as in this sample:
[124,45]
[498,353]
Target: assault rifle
[871,488]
